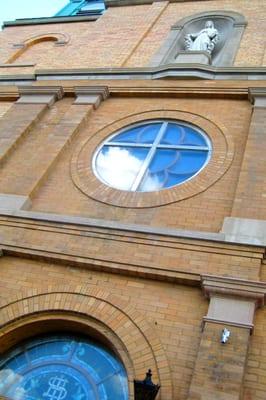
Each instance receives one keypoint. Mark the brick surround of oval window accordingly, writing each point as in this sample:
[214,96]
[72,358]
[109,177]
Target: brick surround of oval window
[85,179]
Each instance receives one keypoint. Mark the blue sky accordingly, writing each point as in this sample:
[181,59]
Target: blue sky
[13,9]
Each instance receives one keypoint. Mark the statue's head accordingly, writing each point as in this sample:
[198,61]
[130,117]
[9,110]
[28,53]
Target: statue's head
[209,24]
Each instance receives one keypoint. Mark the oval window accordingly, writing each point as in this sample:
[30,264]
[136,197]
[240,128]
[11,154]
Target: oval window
[62,368]
[152,156]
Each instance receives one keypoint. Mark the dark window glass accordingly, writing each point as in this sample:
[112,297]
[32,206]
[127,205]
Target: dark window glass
[63,368]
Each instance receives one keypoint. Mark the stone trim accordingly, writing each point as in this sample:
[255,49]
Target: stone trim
[245,229]
[251,290]
[14,202]
[257,96]
[224,322]
[184,71]
[49,20]
[232,301]
[16,66]
[93,95]
[40,95]
[240,93]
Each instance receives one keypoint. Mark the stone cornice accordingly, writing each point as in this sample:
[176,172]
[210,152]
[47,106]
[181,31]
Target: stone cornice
[49,20]
[102,91]
[257,96]
[40,236]
[210,237]
[41,90]
[39,95]
[178,71]
[230,323]
[91,95]
[169,71]
[135,90]
[251,290]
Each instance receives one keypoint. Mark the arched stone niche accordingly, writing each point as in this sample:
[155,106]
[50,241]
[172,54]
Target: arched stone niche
[230,25]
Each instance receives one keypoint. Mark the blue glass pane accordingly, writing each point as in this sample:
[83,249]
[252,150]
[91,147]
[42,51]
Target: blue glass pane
[171,167]
[112,386]
[48,350]
[89,352]
[90,371]
[141,134]
[174,135]
[182,135]
[148,133]
[188,162]
[175,179]
[163,159]
[194,138]
[130,136]
[119,166]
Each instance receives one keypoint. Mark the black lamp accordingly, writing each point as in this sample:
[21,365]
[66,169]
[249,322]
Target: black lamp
[146,389]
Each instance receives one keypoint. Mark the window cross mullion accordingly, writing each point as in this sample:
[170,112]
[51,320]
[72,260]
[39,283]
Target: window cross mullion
[149,157]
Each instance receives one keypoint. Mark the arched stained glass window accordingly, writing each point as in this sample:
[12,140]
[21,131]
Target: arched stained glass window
[63,368]
[152,156]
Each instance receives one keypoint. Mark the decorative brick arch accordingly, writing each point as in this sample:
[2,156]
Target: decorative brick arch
[84,178]
[116,322]
[59,39]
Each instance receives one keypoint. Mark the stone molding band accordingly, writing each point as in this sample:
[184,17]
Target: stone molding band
[229,323]
[256,95]
[232,301]
[251,290]
[182,71]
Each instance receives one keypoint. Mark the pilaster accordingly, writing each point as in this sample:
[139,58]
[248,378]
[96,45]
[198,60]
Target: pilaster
[248,219]
[93,95]
[53,139]
[220,366]
[24,113]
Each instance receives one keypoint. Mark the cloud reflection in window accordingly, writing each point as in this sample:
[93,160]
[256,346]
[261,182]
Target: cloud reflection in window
[8,378]
[119,167]
[152,156]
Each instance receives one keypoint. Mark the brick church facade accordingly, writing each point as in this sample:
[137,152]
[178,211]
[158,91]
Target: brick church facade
[157,275]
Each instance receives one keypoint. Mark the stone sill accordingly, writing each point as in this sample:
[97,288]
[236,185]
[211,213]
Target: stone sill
[16,65]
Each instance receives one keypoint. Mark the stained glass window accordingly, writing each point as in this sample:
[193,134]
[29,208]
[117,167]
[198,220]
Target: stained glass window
[152,156]
[62,368]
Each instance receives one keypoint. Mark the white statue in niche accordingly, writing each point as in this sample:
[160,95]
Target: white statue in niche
[204,40]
